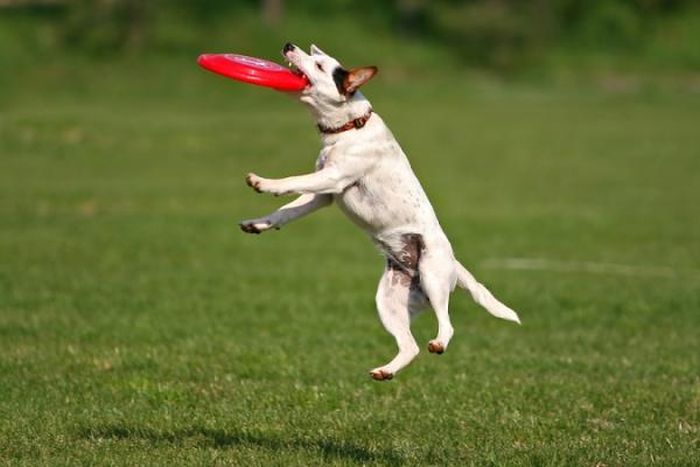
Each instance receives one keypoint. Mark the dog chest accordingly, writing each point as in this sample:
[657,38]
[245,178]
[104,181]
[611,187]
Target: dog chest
[386,199]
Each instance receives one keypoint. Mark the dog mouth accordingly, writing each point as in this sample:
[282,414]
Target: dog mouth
[292,66]
[295,69]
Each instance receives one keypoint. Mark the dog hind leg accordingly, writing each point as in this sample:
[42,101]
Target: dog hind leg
[397,298]
[437,277]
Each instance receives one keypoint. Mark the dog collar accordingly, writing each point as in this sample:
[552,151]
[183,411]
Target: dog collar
[352,124]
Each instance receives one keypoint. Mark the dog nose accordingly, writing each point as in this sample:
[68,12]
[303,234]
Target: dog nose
[288,47]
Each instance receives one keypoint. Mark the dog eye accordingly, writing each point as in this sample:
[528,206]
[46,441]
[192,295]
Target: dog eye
[319,66]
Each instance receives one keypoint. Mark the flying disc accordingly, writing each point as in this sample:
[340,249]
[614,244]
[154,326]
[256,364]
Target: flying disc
[254,71]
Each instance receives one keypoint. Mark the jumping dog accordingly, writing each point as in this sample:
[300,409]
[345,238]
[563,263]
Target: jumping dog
[362,168]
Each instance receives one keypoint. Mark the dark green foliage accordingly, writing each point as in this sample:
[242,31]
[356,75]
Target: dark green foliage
[505,35]
[492,34]
[105,26]
[612,24]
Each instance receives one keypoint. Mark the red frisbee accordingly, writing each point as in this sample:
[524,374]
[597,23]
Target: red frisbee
[254,71]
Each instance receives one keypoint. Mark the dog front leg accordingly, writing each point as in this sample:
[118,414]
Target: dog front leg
[325,181]
[300,207]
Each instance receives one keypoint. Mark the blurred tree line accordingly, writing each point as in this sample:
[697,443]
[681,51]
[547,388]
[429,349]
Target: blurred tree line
[492,33]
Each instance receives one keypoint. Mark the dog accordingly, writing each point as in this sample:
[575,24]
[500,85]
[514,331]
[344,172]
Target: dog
[362,168]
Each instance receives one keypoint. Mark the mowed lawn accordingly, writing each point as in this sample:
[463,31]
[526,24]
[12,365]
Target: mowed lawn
[139,326]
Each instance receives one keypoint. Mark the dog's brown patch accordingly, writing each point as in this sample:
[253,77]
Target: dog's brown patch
[254,184]
[436,347]
[339,76]
[250,228]
[381,375]
[403,264]
[347,82]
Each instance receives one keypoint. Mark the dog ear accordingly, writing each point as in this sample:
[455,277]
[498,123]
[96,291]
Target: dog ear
[316,51]
[357,77]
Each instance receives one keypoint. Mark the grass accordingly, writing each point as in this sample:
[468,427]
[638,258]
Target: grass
[139,326]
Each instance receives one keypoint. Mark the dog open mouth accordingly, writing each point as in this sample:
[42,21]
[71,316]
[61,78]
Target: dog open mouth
[294,69]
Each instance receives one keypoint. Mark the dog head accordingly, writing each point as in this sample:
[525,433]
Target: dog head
[331,87]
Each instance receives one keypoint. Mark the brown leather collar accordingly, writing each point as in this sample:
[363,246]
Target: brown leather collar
[352,124]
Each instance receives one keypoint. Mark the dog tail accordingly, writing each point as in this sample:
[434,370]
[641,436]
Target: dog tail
[482,296]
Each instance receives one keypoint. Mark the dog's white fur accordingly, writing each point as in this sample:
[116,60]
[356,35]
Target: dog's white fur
[367,174]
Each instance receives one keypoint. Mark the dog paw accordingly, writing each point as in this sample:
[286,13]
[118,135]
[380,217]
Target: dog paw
[381,374]
[254,182]
[264,185]
[256,226]
[435,346]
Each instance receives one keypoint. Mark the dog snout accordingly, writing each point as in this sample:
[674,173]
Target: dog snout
[288,47]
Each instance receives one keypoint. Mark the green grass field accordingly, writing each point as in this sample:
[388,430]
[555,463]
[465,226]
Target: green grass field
[139,326]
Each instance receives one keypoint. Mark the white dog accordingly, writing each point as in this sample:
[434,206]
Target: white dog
[363,169]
